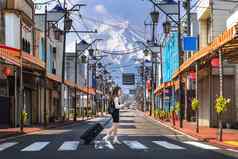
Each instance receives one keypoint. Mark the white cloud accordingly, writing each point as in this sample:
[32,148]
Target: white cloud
[101,9]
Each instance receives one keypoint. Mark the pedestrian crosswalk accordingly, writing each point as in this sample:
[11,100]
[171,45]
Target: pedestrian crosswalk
[69,146]
[168,145]
[102,145]
[135,145]
[37,146]
[7,145]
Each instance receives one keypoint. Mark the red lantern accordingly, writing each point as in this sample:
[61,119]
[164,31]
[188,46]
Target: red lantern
[148,85]
[7,71]
[192,75]
[215,62]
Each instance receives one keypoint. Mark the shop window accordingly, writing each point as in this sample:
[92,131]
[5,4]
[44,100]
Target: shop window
[26,46]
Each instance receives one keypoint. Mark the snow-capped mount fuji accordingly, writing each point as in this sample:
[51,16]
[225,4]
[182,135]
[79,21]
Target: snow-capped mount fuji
[117,37]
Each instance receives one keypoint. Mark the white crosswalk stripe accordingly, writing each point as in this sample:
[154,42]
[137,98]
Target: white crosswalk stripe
[69,146]
[201,145]
[168,145]
[99,145]
[7,145]
[37,146]
[133,144]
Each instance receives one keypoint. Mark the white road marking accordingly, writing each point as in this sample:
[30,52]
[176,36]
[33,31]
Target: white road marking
[7,145]
[135,145]
[167,145]
[99,145]
[201,145]
[37,146]
[69,146]
[232,150]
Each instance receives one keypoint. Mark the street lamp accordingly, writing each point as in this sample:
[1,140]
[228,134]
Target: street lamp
[68,23]
[154,16]
[146,52]
[167,27]
[91,52]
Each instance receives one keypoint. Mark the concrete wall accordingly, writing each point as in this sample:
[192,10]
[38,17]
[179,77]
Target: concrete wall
[221,12]
[204,98]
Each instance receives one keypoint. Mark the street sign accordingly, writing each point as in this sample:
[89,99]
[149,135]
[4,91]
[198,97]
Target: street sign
[190,44]
[128,79]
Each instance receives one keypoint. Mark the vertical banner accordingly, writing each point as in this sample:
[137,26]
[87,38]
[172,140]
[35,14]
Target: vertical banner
[170,57]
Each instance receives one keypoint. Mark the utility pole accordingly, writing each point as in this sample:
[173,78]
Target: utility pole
[21,91]
[154,16]
[180,63]
[63,59]
[87,88]
[188,16]
[75,81]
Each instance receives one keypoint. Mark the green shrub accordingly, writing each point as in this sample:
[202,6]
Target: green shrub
[222,104]
[177,107]
[195,104]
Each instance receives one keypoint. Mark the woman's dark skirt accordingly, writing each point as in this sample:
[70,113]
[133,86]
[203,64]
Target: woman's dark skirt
[116,116]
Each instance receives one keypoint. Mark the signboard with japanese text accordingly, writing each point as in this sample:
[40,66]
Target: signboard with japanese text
[128,79]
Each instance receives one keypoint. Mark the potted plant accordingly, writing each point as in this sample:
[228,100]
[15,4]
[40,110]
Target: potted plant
[221,106]
[195,107]
[24,117]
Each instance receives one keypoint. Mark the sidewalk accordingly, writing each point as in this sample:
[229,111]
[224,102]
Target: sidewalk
[230,136]
[9,132]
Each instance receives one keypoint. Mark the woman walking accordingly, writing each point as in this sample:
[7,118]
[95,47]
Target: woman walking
[115,103]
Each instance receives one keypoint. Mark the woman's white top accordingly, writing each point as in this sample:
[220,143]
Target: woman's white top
[117,104]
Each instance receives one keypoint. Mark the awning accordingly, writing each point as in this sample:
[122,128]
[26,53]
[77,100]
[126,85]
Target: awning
[10,55]
[69,83]
[13,56]
[90,91]
[28,59]
[227,41]
[54,77]
[165,85]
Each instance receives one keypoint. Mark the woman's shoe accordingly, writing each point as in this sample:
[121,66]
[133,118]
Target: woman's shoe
[116,141]
[106,138]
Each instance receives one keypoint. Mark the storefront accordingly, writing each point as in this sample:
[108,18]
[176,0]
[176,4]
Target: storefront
[215,77]
[8,109]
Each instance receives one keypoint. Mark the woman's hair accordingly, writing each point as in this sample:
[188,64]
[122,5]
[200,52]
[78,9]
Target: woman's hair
[115,91]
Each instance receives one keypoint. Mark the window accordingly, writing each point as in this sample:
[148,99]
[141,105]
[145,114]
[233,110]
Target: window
[26,46]
[209,30]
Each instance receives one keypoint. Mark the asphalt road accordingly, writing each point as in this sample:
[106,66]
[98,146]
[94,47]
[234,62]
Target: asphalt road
[140,137]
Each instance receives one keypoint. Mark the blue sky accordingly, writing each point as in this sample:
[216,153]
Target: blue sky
[132,13]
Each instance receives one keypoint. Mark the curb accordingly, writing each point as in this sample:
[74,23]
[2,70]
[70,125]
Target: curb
[171,128]
[229,148]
